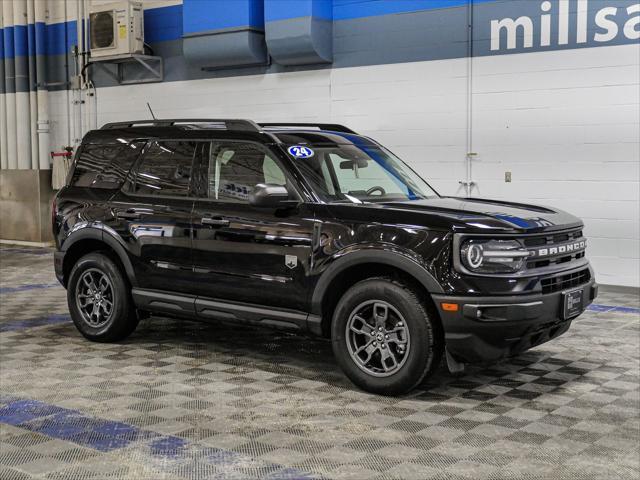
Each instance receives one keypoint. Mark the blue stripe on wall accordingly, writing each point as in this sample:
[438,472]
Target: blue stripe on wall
[166,23]
[60,37]
[20,40]
[350,9]
[161,24]
[199,16]
[7,35]
[275,10]
[38,39]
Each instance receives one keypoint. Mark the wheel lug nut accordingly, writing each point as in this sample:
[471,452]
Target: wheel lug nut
[373,333]
[384,346]
[380,328]
[386,336]
[375,344]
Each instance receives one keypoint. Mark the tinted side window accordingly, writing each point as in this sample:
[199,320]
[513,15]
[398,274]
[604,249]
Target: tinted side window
[104,166]
[236,168]
[165,169]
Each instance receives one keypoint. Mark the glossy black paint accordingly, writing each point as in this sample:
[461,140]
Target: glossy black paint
[283,259]
[245,260]
[157,235]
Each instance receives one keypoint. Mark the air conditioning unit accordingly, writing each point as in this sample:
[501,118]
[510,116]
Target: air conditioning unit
[116,29]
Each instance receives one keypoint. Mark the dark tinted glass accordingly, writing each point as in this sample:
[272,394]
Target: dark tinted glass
[165,169]
[104,166]
[236,168]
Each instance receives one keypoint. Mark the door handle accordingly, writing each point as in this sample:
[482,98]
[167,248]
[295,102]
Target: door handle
[215,222]
[133,213]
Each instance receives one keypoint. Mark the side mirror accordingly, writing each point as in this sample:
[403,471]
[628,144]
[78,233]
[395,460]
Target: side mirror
[267,195]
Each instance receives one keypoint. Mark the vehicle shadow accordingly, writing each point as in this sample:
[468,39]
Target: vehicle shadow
[305,357]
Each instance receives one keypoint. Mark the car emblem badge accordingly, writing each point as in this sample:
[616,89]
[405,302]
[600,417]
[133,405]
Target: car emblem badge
[291,261]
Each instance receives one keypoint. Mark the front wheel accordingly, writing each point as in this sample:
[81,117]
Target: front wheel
[383,337]
[99,300]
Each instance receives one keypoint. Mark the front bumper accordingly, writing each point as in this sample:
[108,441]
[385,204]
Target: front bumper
[486,329]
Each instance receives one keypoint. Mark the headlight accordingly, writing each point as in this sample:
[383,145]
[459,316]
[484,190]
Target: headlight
[493,256]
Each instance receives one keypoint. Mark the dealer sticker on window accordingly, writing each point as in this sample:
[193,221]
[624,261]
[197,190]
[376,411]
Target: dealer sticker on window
[299,151]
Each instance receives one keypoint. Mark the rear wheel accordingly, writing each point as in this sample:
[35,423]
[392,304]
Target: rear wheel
[383,337]
[99,300]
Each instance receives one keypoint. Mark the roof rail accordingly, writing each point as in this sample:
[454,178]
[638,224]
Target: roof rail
[321,126]
[229,124]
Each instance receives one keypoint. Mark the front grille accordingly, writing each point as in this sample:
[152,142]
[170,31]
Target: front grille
[554,249]
[551,239]
[564,282]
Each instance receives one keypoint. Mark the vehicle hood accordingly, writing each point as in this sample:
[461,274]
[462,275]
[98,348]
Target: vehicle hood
[480,215]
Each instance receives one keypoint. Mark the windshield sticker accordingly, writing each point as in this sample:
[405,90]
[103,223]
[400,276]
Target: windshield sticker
[299,151]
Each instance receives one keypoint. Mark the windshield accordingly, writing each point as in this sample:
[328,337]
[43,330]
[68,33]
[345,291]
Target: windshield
[360,173]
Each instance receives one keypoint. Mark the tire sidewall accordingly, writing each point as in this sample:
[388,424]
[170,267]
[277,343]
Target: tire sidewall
[421,350]
[120,301]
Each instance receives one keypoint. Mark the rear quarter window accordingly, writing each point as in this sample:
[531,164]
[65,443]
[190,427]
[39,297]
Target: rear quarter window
[104,165]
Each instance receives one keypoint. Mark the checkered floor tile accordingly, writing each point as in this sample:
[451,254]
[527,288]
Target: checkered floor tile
[189,400]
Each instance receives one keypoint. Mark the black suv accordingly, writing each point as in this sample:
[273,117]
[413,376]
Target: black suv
[309,227]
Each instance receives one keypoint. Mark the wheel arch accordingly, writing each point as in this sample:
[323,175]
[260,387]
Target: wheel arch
[91,239]
[356,266]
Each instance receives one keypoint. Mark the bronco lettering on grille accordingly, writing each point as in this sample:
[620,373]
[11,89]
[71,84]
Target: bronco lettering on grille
[559,249]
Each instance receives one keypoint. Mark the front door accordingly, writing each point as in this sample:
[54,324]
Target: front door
[242,253]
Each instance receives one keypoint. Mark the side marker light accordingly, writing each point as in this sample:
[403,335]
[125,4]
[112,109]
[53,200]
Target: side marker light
[450,307]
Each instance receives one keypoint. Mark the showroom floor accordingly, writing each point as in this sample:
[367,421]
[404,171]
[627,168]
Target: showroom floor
[182,399]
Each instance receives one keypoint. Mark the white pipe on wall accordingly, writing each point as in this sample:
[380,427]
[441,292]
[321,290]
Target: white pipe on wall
[70,70]
[91,97]
[469,183]
[77,97]
[3,132]
[42,94]
[3,107]
[10,98]
[33,96]
[24,112]
[67,111]
[23,109]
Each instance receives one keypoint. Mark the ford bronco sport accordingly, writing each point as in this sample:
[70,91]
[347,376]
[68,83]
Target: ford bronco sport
[314,228]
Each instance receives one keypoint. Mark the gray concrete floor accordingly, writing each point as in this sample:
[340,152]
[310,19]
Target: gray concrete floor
[188,400]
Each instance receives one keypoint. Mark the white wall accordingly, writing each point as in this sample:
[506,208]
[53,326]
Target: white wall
[565,123]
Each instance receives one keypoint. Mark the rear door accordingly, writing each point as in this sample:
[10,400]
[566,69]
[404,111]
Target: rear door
[153,214]
[242,253]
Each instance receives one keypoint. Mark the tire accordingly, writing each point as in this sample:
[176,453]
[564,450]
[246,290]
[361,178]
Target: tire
[411,335]
[112,323]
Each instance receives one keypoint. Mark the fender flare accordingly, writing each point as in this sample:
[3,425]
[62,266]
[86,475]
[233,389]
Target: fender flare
[101,233]
[385,257]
